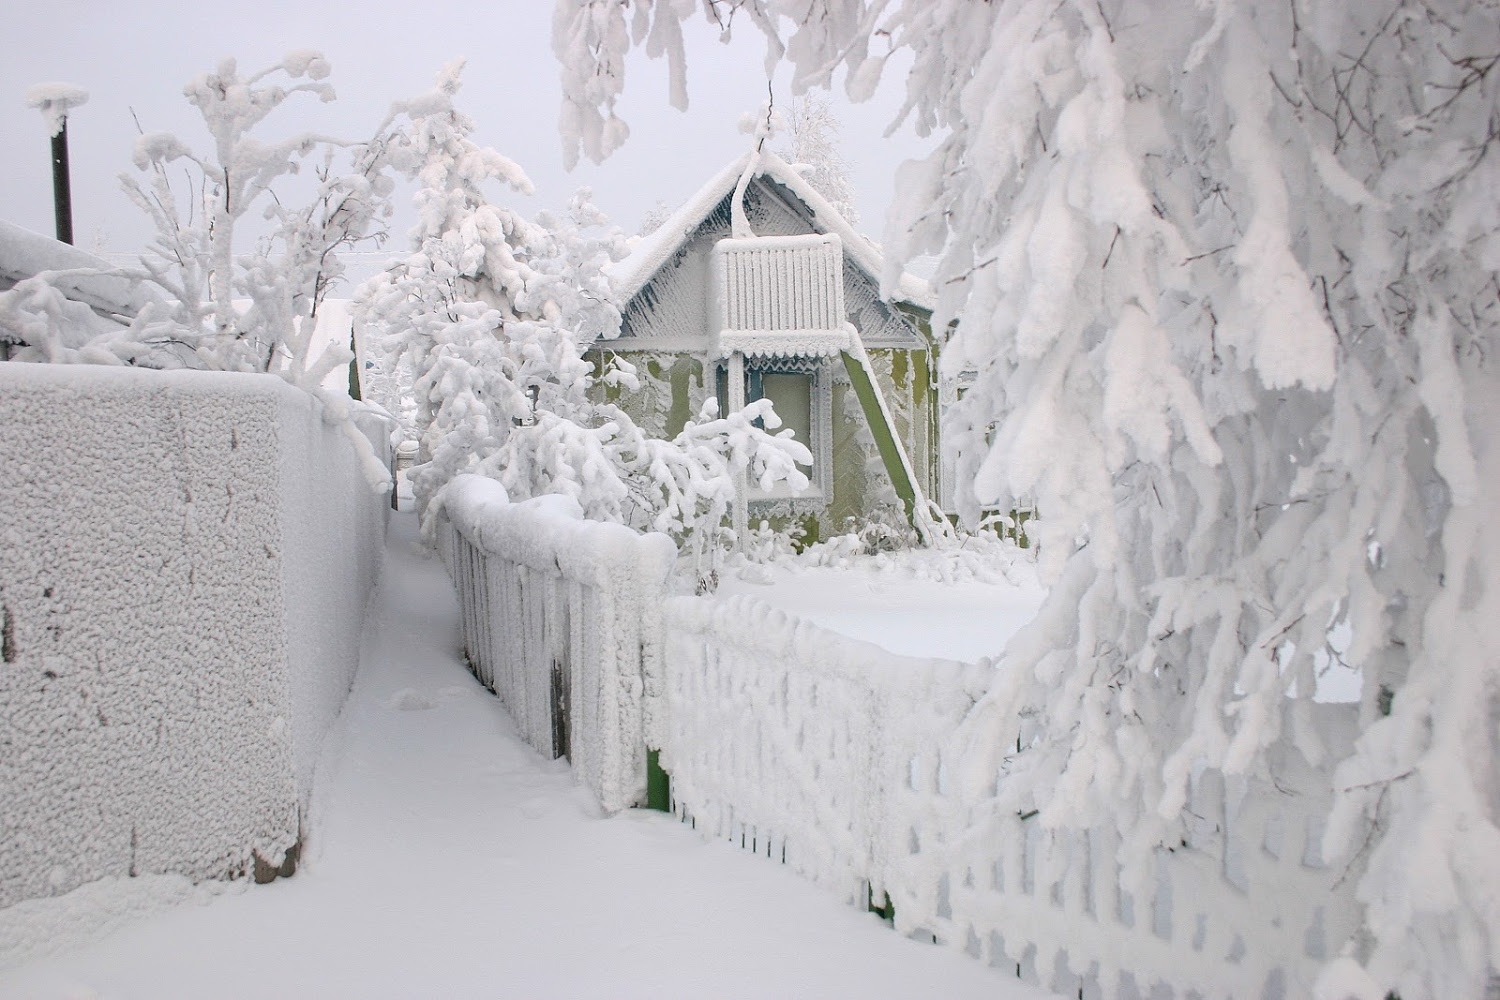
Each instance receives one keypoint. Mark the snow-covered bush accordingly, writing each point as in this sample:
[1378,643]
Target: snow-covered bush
[493,313]
[1230,277]
[883,531]
[764,542]
[888,544]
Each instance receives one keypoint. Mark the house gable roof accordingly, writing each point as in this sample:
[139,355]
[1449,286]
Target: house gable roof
[656,249]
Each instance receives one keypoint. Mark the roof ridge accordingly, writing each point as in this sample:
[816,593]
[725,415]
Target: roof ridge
[652,252]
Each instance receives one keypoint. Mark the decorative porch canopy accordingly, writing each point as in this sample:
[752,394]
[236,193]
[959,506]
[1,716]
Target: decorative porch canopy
[775,296]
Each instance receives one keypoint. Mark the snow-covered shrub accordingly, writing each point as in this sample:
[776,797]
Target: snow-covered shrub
[1229,275]
[764,542]
[1017,524]
[889,545]
[493,311]
[883,531]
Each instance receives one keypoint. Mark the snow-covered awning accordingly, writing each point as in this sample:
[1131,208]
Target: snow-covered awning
[787,343]
[780,295]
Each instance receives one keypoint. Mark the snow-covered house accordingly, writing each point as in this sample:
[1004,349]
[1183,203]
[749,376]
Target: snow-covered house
[793,313]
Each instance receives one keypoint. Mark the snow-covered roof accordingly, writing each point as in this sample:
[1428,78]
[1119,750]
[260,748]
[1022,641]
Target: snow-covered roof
[654,250]
[25,254]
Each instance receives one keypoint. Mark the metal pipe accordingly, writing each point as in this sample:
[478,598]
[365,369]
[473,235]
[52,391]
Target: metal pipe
[62,196]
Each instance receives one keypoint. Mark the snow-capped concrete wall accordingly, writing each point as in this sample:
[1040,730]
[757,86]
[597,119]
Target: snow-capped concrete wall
[184,562]
[334,527]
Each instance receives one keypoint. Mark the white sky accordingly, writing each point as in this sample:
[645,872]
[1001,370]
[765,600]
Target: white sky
[139,55]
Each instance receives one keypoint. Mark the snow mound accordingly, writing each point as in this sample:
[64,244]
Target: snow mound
[962,603]
[38,927]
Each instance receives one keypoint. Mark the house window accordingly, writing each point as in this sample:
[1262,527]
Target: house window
[790,393]
[791,384]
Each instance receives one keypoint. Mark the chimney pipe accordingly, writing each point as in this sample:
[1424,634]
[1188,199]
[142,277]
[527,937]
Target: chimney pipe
[62,194]
[54,101]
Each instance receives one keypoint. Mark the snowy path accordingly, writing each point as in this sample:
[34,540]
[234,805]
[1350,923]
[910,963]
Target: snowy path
[450,860]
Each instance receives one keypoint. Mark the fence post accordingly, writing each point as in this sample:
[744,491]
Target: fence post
[658,783]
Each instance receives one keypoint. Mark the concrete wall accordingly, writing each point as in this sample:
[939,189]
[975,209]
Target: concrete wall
[184,562]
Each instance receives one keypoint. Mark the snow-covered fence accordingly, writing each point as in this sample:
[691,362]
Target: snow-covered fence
[561,620]
[184,561]
[784,737]
[842,761]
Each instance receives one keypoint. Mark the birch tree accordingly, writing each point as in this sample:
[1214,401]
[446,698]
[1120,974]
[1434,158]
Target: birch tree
[812,145]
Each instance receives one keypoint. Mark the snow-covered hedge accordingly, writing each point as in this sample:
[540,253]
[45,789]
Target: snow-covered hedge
[184,561]
[848,763]
[561,619]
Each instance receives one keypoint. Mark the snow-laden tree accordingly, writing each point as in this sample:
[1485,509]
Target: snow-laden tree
[436,311]
[389,383]
[253,307]
[221,297]
[655,219]
[1228,275]
[812,147]
[493,313]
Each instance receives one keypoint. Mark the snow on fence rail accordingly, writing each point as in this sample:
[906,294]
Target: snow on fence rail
[560,619]
[833,756]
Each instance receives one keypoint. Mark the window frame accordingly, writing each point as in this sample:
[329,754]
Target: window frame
[819,489]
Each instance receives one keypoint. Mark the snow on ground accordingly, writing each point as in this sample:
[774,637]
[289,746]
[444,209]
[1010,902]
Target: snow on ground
[897,602]
[450,860]
[961,606]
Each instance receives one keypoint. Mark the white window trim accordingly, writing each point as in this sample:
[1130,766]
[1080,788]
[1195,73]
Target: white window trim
[819,489]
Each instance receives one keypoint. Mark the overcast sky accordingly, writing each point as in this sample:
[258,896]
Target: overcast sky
[138,55]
